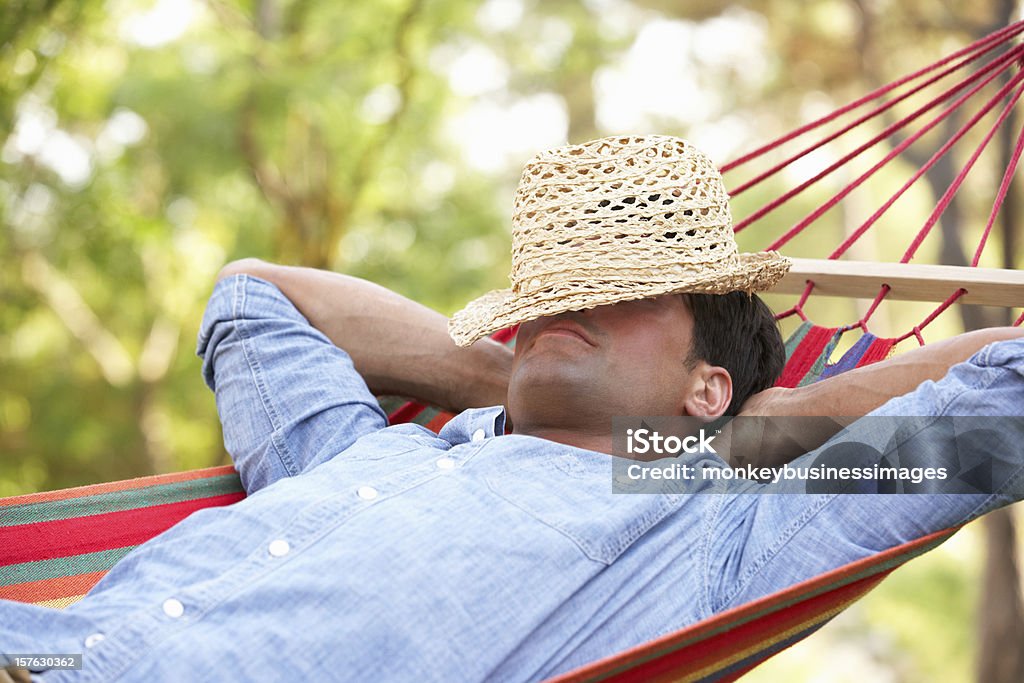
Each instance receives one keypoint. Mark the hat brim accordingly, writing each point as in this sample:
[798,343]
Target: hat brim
[501,308]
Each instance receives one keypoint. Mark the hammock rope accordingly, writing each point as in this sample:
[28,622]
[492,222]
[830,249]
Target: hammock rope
[939,153]
[1004,187]
[1003,56]
[981,46]
[999,64]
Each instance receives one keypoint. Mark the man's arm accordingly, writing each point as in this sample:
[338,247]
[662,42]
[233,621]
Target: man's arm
[839,400]
[859,391]
[397,345]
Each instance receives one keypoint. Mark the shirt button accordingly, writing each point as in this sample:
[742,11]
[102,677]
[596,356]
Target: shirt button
[173,608]
[279,547]
[445,464]
[479,435]
[94,639]
[367,492]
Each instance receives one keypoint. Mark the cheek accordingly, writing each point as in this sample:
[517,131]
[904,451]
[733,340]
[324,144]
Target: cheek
[657,361]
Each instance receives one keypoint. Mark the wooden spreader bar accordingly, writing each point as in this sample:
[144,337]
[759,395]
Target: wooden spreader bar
[912,282]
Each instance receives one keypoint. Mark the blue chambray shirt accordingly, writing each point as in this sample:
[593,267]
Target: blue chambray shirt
[369,552]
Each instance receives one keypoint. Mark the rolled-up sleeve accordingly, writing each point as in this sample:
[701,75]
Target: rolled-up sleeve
[288,398]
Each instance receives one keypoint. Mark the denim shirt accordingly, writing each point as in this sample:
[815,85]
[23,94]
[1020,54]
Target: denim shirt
[373,552]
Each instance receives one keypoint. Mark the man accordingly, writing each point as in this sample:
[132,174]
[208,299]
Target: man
[368,552]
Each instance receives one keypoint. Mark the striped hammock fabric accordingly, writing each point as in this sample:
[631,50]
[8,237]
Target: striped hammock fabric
[59,544]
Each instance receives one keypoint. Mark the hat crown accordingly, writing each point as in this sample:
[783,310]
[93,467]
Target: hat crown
[613,220]
[648,209]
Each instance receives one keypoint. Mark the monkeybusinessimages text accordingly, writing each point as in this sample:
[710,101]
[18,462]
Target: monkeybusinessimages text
[649,442]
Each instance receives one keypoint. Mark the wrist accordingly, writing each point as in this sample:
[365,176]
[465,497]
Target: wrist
[770,402]
[480,375]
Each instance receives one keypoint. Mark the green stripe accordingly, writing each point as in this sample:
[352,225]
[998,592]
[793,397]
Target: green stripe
[814,374]
[116,501]
[61,566]
[390,404]
[428,414]
[797,337]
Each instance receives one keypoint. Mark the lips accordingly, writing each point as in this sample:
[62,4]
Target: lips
[567,327]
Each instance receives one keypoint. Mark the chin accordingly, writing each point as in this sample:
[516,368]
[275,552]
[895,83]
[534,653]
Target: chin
[548,381]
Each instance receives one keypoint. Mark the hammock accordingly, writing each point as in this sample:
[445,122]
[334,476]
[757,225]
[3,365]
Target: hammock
[59,544]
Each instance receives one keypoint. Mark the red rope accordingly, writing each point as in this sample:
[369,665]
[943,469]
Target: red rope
[1001,195]
[995,38]
[916,331]
[979,79]
[882,292]
[996,67]
[870,115]
[954,187]
[856,234]
[798,309]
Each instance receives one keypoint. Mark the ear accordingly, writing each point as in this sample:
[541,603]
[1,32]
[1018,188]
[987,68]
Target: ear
[711,391]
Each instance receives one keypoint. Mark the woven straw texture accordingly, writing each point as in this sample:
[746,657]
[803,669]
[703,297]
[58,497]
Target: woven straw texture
[612,220]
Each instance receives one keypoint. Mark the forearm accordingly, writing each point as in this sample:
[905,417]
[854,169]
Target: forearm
[839,400]
[861,390]
[397,345]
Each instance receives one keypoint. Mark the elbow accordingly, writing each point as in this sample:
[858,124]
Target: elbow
[245,266]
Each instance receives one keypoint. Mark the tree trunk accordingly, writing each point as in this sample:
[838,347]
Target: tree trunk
[1000,616]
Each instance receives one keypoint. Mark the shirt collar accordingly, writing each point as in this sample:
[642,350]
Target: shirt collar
[460,429]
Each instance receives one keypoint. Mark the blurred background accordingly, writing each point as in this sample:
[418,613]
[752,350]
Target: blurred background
[143,144]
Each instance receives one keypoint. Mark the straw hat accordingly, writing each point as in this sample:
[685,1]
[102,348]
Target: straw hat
[613,220]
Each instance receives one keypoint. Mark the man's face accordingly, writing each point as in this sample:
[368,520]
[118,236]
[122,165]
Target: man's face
[628,358]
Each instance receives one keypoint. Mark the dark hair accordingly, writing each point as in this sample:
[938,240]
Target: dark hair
[737,331]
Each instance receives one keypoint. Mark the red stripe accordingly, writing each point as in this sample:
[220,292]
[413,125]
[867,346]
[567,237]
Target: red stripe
[93,533]
[51,589]
[439,421]
[125,485]
[1004,187]
[805,355]
[506,335]
[992,41]
[878,350]
[406,412]
[761,632]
